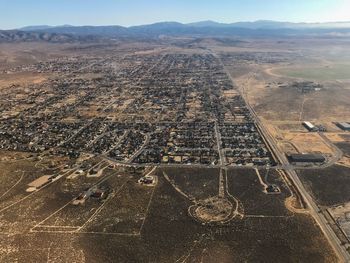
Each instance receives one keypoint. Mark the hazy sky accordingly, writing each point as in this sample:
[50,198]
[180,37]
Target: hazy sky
[18,13]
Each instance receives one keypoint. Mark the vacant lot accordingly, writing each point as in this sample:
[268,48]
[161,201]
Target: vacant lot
[330,186]
[151,224]
[308,142]
[199,183]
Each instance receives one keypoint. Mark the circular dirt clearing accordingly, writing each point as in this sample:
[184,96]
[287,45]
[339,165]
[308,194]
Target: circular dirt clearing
[214,209]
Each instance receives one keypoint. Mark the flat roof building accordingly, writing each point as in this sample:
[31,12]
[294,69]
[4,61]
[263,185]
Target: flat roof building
[344,126]
[306,158]
[308,125]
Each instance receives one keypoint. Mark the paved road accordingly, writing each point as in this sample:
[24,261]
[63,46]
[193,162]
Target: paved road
[338,153]
[218,142]
[147,138]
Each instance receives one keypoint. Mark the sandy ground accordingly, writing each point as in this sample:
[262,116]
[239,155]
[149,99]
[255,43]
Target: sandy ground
[23,78]
[307,142]
[336,137]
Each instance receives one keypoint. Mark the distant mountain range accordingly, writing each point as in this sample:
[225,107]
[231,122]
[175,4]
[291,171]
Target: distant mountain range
[208,28]
[39,27]
[260,24]
[261,28]
[23,36]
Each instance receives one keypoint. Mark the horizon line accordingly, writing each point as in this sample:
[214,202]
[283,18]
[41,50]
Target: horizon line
[169,21]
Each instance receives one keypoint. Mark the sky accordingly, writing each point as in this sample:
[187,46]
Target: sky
[19,13]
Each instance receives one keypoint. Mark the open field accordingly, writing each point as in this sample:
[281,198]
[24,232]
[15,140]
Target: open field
[255,74]
[330,186]
[143,224]
[199,183]
[324,73]
[324,106]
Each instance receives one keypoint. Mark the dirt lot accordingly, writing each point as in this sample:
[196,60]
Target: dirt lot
[23,78]
[308,142]
[338,137]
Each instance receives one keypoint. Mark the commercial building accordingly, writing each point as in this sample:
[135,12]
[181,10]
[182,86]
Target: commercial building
[308,125]
[306,158]
[344,126]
